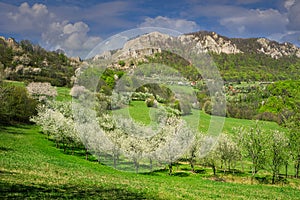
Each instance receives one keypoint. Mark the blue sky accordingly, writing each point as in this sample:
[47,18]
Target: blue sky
[77,26]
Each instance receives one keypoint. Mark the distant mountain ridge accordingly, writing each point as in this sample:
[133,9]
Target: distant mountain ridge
[221,44]
[211,42]
[238,59]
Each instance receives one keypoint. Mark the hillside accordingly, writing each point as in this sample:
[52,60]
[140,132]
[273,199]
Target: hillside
[249,67]
[24,61]
[238,59]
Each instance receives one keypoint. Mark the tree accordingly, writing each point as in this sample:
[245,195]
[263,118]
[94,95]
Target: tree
[178,139]
[293,125]
[228,151]
[16,105]
[57,122]
[41,91]
[254,143]
[277,154]
[208,152]
[193,150]
[2,73]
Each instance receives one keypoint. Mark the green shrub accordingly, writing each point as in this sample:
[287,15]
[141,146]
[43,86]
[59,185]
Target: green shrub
[16,105]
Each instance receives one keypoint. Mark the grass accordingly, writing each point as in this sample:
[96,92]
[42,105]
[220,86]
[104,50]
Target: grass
[198,119]
[63,94]
[31,167]
[16,83]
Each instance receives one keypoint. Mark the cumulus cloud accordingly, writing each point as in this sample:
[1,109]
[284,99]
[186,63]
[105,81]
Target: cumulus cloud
[180,25]
[294,16]
[26,18]
[256,21]
[72,38]
[55,33]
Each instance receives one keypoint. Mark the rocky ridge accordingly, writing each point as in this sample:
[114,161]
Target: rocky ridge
[204,42]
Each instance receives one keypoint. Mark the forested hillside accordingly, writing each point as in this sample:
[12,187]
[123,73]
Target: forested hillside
[24,61]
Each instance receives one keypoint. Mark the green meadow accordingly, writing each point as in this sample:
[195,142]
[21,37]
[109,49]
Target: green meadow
[31,167]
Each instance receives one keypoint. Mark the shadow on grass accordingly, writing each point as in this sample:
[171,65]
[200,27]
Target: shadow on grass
[200,171]
[19,191]
[232,171]
[5,149]
[181,174]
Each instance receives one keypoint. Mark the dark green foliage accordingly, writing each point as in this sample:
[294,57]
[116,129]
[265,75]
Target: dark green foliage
[283,99]
[184,67]
[55,67]
[157,90]
[16,105]
[6,53]
[256,67]
[108,80]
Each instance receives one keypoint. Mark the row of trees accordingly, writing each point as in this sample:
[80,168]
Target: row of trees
[266,151]
[117,140]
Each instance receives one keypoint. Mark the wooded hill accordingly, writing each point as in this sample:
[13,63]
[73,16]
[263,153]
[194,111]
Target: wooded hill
[24,61]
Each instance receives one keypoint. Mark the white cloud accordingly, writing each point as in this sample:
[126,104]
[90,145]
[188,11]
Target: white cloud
[77,27]
[72,38]
[294,16]
[256,22]
[180,25]
[55,33]
[289,3]
[32,19]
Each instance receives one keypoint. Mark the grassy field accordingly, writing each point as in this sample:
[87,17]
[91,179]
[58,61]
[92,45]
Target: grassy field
[31,167]
[198,119]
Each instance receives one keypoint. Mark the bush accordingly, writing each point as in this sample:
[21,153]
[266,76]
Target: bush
[151,102]
[16,105]
[207,107]
[267,116]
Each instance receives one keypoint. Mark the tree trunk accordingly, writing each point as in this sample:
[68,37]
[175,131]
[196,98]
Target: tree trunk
[150,164]
[214,169]
[170,169]
[86,154]
[242,164]
[253,174]
[273,178]
[193,167]
[115,161]
[286,170]
[72,150]
[297,166]
[65,148]
[137,166]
